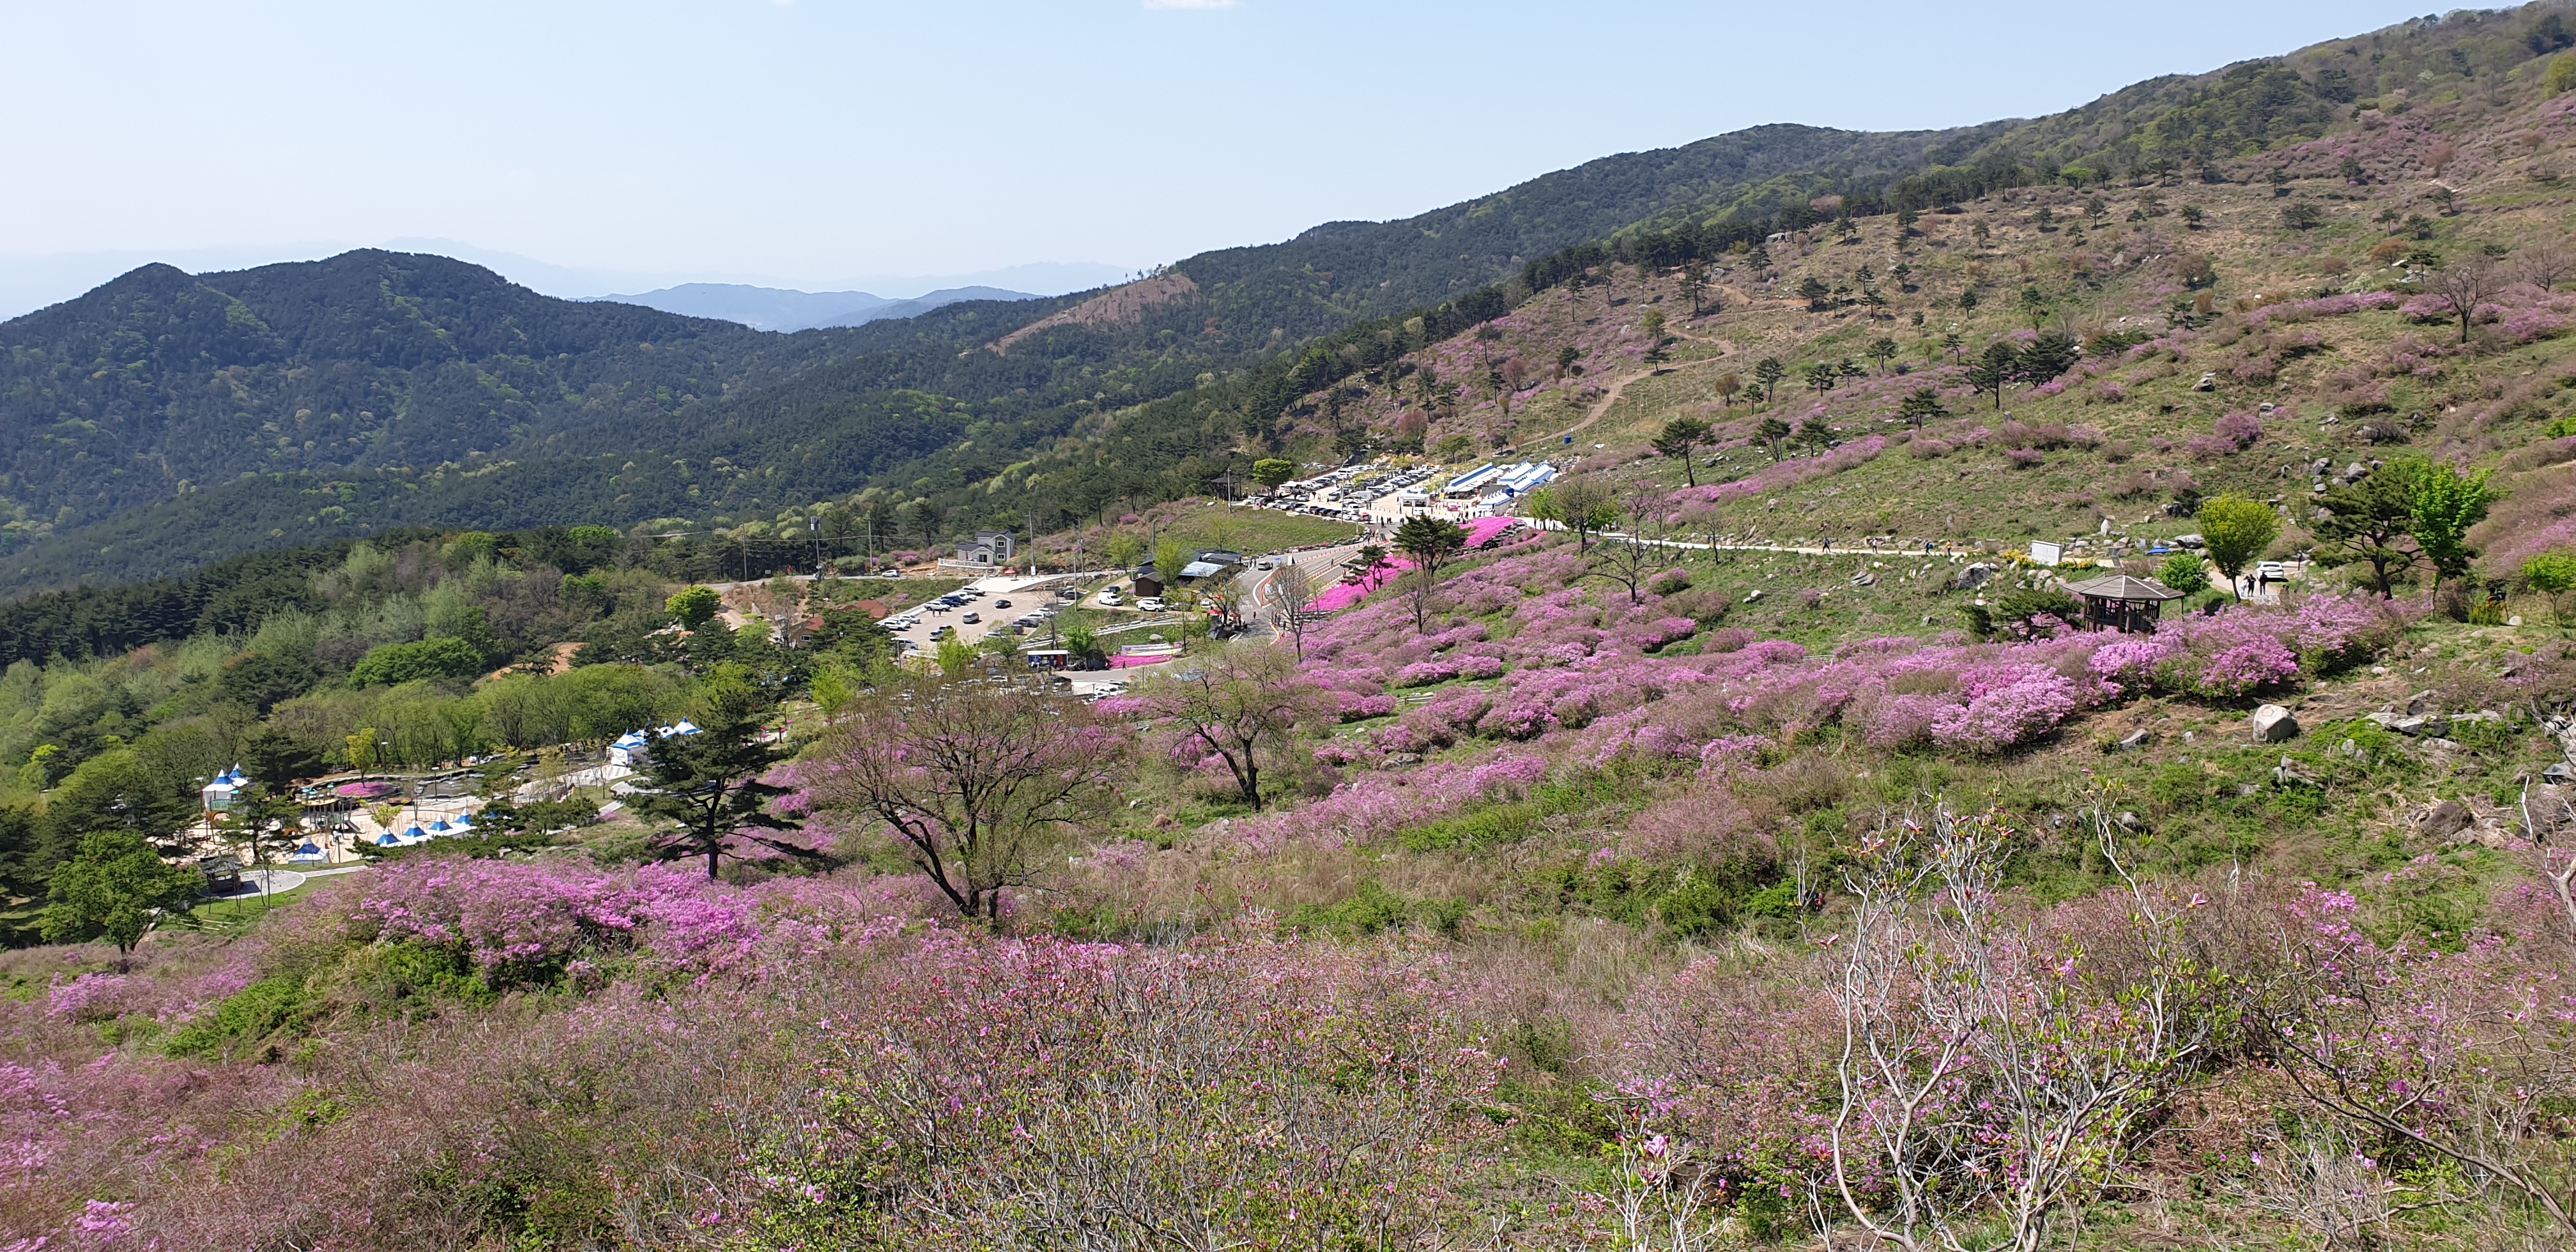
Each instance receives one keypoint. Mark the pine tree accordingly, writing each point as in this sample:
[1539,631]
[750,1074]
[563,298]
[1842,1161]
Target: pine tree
[709,782]
[2365,522]
[1677,438]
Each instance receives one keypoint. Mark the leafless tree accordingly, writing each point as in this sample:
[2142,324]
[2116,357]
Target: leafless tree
[2464,286]
[1632,556]
[2545,265]
[1978,1073]
[1292,593]
[1239,702]
[2318,1175]
[970,778]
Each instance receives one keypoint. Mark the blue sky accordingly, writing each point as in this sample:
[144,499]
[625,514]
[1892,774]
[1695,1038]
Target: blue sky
[825,142]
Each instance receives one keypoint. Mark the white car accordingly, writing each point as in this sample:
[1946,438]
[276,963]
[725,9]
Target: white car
[1151,604]
[1109,598]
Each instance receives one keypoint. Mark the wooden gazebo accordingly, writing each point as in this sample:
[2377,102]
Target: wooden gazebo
[2123,603]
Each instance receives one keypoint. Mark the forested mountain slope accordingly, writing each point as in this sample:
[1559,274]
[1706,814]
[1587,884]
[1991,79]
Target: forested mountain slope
[375,389]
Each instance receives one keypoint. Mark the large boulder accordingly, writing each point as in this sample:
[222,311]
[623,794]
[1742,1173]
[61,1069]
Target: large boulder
[1971,577]
[2272,723]
[2445,819]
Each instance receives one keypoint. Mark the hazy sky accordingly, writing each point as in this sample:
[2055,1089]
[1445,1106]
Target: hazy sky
[821,140]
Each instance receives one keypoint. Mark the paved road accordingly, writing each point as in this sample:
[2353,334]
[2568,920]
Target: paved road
[1323,568]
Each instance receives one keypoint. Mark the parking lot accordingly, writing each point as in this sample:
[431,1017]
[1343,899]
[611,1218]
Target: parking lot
[986,603]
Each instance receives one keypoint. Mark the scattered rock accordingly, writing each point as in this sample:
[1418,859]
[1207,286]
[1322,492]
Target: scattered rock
[1865,579]
[2559,775]
[2272,723]
[2440,746]
[2420,702]
[2290,773]
[2248,789]
[1753,595]
[2129,821]
[2445,819]
[2515,620]
[1972,577]
[2482,715]
[2421,724]
[1397,760]
[2490,833]
[2137,739]
[2208,382]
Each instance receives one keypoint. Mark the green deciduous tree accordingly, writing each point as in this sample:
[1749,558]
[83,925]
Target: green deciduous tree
[2237,530]
[1585,504]
[1272,471]
[2552,574]
[116,888]
[2444,505]
[694,607]
[2182,571]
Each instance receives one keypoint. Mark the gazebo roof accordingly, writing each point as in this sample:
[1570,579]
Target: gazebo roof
[2123,587]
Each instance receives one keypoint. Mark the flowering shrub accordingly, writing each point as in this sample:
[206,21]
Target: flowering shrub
[1260,1094]
[2250,665]
[525,922]
[2327,306]
[2005,703]
[2239,428]
[1425,673]
[1356,708]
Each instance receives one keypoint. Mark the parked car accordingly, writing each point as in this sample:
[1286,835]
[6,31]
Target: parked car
[1151,604]
[1109,598]
[972,618]
[1001,604]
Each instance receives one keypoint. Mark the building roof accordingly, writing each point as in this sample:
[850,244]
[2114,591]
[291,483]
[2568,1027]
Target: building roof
[2123,587]
[1201,569]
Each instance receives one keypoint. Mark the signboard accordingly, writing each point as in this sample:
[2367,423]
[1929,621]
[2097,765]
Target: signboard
[2043,552]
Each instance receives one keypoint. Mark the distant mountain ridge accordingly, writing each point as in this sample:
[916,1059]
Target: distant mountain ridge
[787,310]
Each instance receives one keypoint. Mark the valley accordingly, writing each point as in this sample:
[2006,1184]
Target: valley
[2009,687]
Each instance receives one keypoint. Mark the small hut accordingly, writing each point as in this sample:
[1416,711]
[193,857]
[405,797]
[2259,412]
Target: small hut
[2122,603]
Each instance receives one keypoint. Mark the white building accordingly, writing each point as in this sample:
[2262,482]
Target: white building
[991,547]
